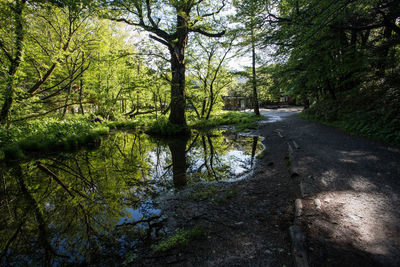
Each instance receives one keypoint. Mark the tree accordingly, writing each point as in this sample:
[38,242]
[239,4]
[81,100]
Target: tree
[170,23]
[326,48]
[209,77]
[12,49]
[49,36]
[247,14]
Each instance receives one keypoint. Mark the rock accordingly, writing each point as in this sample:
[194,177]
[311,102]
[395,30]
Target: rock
[298,207]
[317,203]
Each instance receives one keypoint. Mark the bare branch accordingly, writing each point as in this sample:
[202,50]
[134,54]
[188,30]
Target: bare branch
[208,14]
[208,34]
[160,40]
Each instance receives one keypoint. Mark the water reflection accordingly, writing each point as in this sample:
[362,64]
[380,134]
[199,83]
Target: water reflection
[91,207]
[178,155]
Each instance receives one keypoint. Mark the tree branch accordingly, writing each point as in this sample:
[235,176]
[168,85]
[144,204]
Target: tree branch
[8,55]
[208,34]
[160,40]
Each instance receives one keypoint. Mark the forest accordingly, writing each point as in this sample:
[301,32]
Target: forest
[104,104]
[119,61]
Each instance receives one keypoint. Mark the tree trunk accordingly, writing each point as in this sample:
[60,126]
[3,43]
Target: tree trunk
[81,87]
[177,115]
[177,51]
[15,60]
[254,79]
[178,153]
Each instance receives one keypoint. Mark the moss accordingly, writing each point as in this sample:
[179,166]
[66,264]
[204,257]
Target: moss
[180,239]
[262,154]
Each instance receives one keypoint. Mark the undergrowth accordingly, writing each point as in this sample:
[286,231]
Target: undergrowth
[48,135]
[373,112]
[181,238]
[51,134]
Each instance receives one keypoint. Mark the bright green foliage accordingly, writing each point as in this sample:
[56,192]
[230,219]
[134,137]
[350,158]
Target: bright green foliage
[162,126]
[48,135]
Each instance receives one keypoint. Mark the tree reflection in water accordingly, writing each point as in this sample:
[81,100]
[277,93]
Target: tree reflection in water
[178,155]
[92,206]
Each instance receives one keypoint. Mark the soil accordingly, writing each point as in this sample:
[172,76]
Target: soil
[348,186]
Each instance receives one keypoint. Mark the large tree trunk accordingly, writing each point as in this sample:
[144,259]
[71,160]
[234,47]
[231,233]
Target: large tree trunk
[178,102]
[177,51]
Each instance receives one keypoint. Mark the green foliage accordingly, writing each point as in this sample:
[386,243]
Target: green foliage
[371,113]
[243,121]
[180,239]
[49,135]
[162,126]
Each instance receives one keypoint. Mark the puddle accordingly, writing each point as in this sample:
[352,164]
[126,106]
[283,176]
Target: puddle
[275,115]
[271,119]
[94,206]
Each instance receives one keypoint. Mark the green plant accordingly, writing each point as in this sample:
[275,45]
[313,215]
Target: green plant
[180,238]
[162,126]
[49,135]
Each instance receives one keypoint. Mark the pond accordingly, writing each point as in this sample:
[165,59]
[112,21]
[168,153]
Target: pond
[94,205]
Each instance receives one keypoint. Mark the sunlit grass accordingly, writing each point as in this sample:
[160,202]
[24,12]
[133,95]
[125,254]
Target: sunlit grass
[242,121]
[50,134]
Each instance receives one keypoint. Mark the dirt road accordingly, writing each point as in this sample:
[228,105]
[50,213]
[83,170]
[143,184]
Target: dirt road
[349,190]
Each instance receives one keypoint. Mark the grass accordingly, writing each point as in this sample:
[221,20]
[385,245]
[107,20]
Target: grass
[163,127]
[181,238]
[48,135]
[243,121]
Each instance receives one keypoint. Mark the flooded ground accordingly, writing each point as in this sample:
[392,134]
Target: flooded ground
[92,206]
[276,115]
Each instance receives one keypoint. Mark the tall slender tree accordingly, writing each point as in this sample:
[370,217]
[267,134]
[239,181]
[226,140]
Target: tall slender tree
[247,12]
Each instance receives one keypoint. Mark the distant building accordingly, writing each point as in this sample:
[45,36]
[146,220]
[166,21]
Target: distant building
[236,102]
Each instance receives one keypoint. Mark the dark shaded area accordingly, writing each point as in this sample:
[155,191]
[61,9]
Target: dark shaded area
[351,187]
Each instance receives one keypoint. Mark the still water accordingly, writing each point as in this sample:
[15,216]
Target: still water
[93,206]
